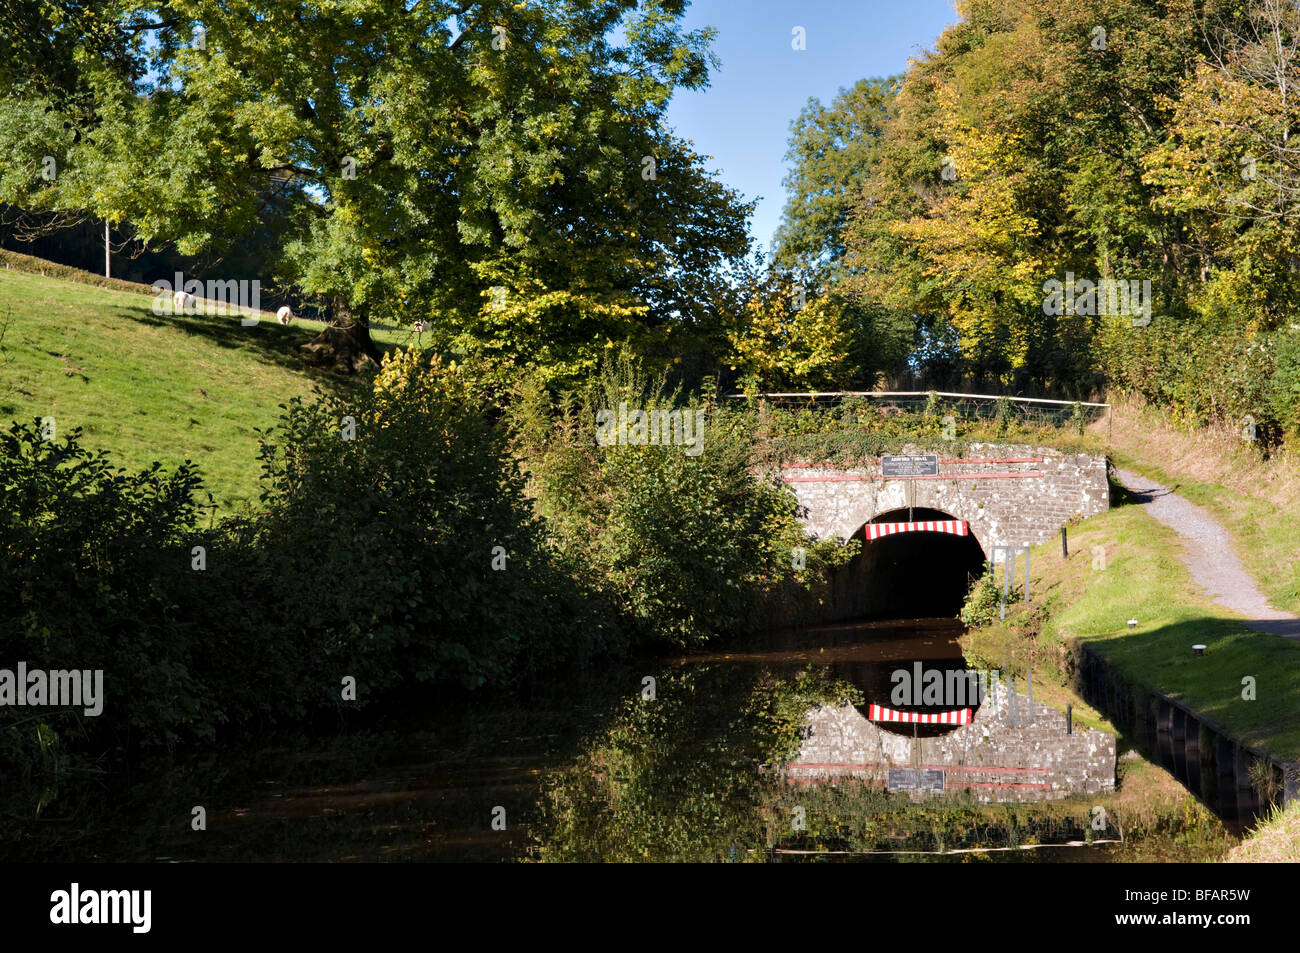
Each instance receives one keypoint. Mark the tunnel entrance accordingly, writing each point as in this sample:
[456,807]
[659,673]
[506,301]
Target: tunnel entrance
[903,593]
[919,574]
[914,583]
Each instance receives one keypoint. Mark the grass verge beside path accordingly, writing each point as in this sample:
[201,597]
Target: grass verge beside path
[1144,579]
[1253,499]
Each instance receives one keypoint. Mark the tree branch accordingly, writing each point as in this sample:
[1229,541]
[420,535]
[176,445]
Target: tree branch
[143,27]
[297,169]
[465,32]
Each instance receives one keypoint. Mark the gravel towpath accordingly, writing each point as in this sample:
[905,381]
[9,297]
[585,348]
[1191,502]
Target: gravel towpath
[1209,556]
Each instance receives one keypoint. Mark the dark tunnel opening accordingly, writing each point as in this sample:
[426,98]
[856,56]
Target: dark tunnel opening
[919,574]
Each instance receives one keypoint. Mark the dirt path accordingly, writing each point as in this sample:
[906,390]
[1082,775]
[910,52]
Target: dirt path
[1209,556]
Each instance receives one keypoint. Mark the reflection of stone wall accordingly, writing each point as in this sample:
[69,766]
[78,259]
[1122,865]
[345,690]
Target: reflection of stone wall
[1004,511]
[994,758]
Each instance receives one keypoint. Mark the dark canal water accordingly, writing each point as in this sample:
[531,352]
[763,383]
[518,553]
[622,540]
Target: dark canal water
[595,769]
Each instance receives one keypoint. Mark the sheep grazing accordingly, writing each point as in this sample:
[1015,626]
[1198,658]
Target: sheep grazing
[182,301]
[284,315]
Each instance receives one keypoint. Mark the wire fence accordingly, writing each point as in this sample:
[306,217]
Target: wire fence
[1028,411]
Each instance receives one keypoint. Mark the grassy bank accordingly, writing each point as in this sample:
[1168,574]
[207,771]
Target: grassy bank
[1276,840]
[1251,496]
[148,387]
[1144,579]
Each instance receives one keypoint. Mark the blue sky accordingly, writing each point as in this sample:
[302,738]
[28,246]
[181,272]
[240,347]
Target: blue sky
[743,118]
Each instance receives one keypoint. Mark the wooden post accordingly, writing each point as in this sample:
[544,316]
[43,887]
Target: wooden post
[106,268]
[1069,719]
[1065,549]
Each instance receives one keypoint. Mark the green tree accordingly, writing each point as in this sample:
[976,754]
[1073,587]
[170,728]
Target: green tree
[450,157]
[830,149]
[836,339]
[1014,155]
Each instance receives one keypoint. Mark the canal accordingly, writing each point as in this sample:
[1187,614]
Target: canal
[672,760]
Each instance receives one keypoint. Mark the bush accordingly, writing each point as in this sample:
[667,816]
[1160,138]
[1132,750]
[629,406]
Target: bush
[1212,369]
[1284,393]
[94,572]
[94,563]
[684,544]
[982,601]
[409,552]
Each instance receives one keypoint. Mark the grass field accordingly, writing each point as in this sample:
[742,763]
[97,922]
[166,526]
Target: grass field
[148,387]
[1144,579]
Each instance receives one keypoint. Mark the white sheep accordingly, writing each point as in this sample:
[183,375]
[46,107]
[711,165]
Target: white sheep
[284,315]
[182,301]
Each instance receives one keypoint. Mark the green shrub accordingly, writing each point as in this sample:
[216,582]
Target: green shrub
[93,563]
[1284,393]
[94,571]
[1212,369]
[683,543]
[411,551]
[982,601]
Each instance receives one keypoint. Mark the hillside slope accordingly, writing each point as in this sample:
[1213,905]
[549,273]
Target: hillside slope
[150,387]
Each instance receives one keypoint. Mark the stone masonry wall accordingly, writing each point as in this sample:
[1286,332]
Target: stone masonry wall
[1017,510]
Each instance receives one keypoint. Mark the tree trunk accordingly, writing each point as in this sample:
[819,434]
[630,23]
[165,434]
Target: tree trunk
[345,344]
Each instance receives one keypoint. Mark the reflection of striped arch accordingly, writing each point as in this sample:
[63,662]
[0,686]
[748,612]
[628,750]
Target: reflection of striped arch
[960,717]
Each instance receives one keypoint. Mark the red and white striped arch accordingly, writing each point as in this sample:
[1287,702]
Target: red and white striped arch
[952,527]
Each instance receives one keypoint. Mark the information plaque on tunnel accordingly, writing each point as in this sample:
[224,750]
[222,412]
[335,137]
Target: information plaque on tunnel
[909,465]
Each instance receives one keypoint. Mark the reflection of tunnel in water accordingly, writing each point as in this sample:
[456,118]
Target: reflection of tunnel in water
[929,645]
[867,654]
[919,574]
